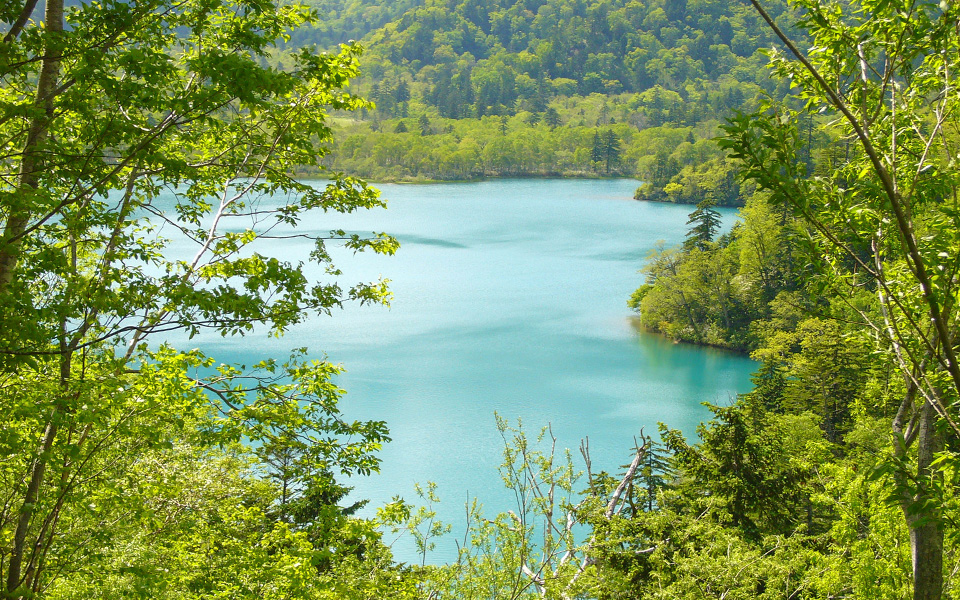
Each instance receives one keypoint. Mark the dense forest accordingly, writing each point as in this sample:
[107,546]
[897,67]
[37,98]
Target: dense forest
[841,281]
[132,469]
[613,88]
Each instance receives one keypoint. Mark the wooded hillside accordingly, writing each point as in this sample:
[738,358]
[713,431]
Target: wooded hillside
[481,78]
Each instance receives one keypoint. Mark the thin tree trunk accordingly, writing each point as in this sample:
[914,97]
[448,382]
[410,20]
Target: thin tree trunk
[14,574]
[28,509]
[926,534]
[689,311]
[31,166]
[913,425]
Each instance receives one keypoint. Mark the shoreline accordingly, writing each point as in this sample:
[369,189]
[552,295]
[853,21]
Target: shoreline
[573,176]
[424,180]
[638,326]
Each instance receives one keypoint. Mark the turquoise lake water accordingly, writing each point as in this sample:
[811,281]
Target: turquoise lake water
[510,297]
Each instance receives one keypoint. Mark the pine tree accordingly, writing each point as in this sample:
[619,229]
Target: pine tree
[402,92]
[402,95]
[706,224]
[611,149]
[656,471]
[597,154]
[551,117]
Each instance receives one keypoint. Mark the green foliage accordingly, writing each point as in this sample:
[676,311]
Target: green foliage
[502,55]
[706,224]
[713,180]
[747,470]
[879,231]
[150,174]
[565,64]
[540,550]
[723,292]
[819,371]
[844,269]
[491,146]
[130,470]
[202,528]
[694,296]
[419,521]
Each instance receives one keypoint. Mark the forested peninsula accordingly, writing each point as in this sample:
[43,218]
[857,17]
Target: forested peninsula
[154,159]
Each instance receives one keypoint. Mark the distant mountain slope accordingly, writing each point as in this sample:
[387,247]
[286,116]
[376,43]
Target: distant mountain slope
[562,72]
[344,20]
[475,57]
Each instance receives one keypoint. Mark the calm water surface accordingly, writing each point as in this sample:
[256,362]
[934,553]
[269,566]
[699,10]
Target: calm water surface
[510,297]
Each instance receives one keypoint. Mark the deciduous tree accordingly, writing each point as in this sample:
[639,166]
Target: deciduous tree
[126,125]
[887,220]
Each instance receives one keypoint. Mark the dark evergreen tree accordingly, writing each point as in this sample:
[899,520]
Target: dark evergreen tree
[741,463]
[612,150]
[706,224]
[656,471]
[402,92]
[539,101]
[597,153]
[551,117]
[675,9]
[768,386]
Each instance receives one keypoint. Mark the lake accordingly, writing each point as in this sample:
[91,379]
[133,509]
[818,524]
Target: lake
[510,297]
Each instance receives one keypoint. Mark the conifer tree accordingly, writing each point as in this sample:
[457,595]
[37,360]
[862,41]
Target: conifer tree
[551,117]
[597,153]
[706,224]
[424,123]
[612,150]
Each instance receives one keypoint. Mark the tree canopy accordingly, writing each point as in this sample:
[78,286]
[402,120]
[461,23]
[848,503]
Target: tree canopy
[151,151]
[149,155]
[845,266]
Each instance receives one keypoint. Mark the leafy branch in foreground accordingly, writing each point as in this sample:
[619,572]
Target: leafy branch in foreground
[146,161]
[886,222]
[549,547]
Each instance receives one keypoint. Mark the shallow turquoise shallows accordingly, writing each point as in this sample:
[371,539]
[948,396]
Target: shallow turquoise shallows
[510,296]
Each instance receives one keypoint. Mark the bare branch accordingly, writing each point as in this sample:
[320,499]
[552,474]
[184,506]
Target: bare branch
[627,478]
